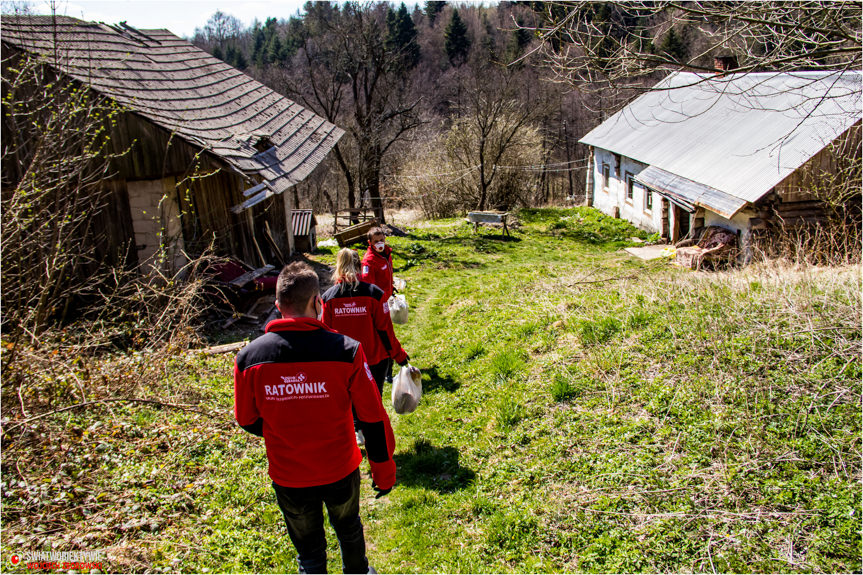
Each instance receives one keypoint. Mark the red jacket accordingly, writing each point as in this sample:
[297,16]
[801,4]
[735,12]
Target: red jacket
[363,314]
[301,379]
[377,269]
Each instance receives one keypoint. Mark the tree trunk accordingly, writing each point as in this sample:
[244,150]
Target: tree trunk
[373,185]
[483,186]
[349,179]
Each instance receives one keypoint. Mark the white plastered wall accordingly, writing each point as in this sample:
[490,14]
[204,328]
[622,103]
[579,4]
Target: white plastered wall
[614,196]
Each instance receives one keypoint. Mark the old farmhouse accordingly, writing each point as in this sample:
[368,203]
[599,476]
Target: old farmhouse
[211,150]
[725,150]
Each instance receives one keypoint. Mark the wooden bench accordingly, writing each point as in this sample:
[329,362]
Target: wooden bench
[477,218]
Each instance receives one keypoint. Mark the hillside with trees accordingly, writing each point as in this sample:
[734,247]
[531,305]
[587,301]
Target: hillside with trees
[425,95]
[452,107]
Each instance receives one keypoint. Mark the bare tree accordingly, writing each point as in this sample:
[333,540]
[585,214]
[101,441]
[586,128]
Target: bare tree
[493,128]
[347,73]
[621,41]
[491,156]
[55,155]
[219,28]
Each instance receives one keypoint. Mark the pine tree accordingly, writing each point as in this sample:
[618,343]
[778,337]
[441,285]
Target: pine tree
[674,45]
[240,61]
[488,43]
[258,41]
[456,41]
[518,41]
[402,36]
[295,37]
[432,9]
[274,49]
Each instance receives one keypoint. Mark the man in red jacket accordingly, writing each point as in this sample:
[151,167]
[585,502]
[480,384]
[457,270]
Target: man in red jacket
[295,386]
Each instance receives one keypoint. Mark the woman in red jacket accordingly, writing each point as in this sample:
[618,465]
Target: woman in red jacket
[378,262]
[359,310]
[377,268]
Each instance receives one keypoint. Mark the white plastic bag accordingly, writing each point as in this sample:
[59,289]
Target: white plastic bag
[407,389]
[398,308]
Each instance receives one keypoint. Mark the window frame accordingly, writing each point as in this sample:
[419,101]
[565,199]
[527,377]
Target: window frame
[605,175]
[629,192]
[648,195]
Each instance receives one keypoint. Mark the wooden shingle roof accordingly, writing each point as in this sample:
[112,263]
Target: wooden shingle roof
[181,88]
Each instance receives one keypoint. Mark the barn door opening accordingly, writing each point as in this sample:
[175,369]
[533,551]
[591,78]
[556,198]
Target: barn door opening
[157,225]
[681,224]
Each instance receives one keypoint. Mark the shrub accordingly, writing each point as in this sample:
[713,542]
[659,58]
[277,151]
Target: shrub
[507,363]
[562,389]
[508,412]
[599,331]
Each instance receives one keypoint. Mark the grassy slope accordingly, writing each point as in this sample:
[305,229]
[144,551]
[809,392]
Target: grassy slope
[583,411]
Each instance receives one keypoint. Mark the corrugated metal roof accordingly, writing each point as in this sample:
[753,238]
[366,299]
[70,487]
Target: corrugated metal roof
[303,220]
[688,193]
[183,89]
[740,134]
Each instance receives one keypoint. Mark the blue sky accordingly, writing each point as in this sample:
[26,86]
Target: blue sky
[179,16]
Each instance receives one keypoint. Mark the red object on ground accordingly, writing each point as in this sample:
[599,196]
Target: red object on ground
[230,270]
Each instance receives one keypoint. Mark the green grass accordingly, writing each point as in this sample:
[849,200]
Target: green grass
[583,411]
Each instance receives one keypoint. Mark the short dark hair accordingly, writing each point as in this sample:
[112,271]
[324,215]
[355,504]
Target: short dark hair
[297,284]
[375,231]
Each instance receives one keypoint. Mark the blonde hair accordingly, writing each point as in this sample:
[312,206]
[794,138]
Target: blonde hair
[347,267]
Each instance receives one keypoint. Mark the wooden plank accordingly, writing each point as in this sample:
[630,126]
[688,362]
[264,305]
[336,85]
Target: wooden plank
[269,235]
[217,349]
[353,233]
[251,276]
[289,224]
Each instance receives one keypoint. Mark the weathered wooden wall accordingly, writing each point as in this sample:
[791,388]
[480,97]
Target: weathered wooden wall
[206,191]
[795,201]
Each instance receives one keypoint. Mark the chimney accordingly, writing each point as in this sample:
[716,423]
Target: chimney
[725,64]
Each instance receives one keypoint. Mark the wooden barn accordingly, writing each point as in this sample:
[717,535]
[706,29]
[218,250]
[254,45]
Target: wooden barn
[729,150]
[211,150]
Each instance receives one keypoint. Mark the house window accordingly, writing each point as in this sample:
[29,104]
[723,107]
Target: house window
[606,174]
[630,188]
[648,200]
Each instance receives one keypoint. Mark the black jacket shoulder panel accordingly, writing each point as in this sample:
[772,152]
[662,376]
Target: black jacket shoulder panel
[375,291]
[344,290]
[331,293]
[298,347]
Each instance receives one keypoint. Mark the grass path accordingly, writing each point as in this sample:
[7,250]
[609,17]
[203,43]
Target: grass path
[583,411]
[589,412]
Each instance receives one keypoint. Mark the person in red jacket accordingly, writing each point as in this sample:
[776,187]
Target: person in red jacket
[360,310]
[378,263]
[377,269]
[295,386]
